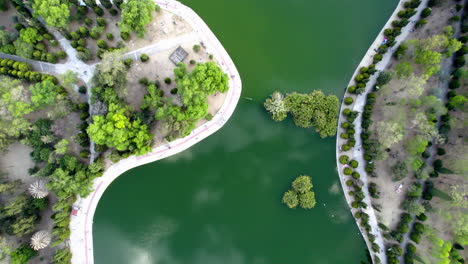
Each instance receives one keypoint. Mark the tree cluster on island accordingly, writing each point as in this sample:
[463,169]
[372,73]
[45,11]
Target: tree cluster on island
[307,110]
[301,194]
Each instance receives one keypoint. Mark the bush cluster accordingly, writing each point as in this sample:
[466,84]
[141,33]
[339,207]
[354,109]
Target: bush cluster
[23,71]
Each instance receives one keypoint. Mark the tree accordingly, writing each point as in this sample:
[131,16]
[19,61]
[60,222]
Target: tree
[136,14]
[68,79]
[457,101]
[5,37]
[118,130]
[44,93]
[15,206]
[193,88]
[400,170]
[384,78]
[412,206]
[9,186]
[276,107]
[302,184]
[111,71]
[40,240]
[290,199]
[62,256]
[30,35]
[56,13]
[390,133]
[314,109]
[24,225]
[23,49]
[404,70]
[38,189]
[22,254]
[210,77]
[307,200]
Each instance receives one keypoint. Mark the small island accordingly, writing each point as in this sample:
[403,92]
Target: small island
[301,193]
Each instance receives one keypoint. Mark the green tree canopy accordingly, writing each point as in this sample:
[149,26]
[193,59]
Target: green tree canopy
[307,200]
[136,14]
[302,184]
[117,129]
[56,13]
[314,109]
[45,93]
[276,107]
[290,199]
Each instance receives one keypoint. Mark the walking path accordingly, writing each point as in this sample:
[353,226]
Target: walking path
[81,239]
[360,101]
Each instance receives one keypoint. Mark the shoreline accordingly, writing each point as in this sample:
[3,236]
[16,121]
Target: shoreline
[81,238]
[358,105]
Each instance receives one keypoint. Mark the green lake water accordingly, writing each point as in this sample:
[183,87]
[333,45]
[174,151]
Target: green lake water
[220,201]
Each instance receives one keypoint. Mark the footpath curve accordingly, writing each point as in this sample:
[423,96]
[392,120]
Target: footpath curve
[359,103]
[81,239]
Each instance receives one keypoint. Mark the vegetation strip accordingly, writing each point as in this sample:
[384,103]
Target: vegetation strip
[365,80]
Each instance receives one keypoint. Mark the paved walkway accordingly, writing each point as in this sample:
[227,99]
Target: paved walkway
[358,106]
[81,240]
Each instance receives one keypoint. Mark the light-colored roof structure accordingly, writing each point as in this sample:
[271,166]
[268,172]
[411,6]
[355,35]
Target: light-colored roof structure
[178,55]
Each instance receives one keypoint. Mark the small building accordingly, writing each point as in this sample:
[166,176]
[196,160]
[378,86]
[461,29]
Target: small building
[178,55]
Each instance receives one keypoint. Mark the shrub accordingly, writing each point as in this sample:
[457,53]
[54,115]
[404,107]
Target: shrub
[109,36]
[81,42]
[192,62]
[167,80]
[356,175]
[125,35]
[113,12]
[174,91]
[345,147]
[144,57]
[128,62]
[144,81]
[454,83]
[377,58]
[347,171]
[354,163]
[22,254]
[349,183]
[98,11]
[196,48]
[101,22]
[344,159]
[348,100]
[454,19]
[84,154]
[82,89]
[426,12]
[210,57]
[51,58]
[102,44]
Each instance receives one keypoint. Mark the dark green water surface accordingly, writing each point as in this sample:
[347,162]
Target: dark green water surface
[220,201]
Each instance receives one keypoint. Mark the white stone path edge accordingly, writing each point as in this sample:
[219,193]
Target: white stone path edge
[359,103]
[81,238]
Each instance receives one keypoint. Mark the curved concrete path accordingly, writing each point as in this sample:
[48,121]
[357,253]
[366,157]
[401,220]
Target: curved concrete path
[359,103]
[81,239]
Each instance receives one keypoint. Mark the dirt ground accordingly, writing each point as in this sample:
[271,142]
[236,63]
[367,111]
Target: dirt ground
[7,19]
[392,93]
[389,199]
[165,25]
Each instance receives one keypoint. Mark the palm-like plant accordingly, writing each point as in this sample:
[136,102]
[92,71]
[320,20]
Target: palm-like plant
[276,106]
[40,240]
[38,189]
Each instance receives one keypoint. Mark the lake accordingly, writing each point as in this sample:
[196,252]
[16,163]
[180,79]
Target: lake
[220,201]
